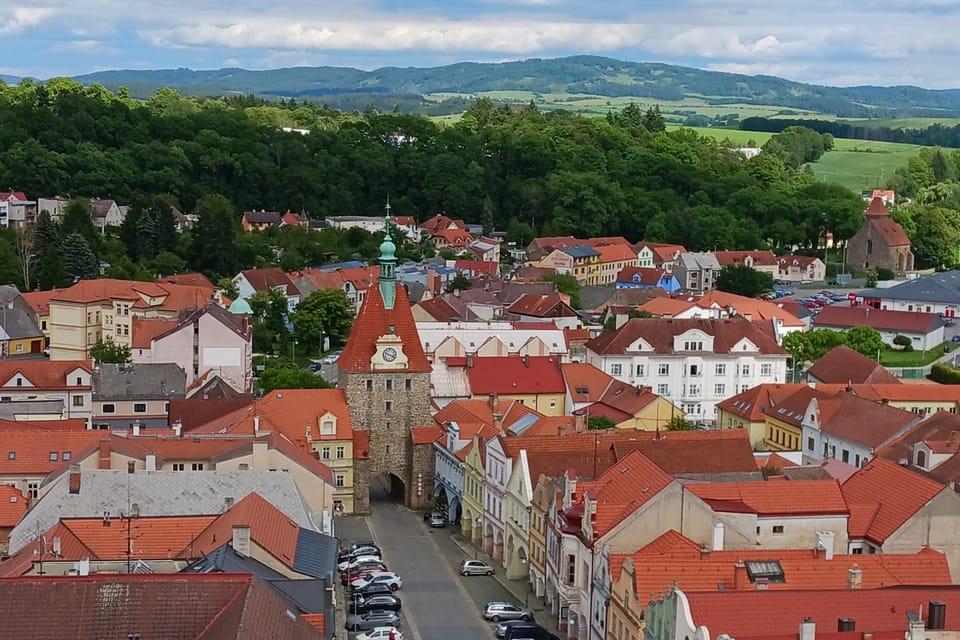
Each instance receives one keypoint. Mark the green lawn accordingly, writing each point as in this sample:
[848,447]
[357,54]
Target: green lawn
[863,164]
[895,358]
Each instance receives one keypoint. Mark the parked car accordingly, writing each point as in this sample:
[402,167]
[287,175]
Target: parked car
[475,568]
[356,561]
[502,627]
[498,611]
[387,578]
[364,543]
[372,620]
[351,556]
[371,590]
[386,602]
[955,338]
[526,631]
[435,519]
[331,359]
[351,577]
[380,633]
[313,367]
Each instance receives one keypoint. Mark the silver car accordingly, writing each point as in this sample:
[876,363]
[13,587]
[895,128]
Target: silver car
[498,611]
[475,568]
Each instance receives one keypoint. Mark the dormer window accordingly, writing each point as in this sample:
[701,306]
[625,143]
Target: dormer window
[327,428]
[921,459]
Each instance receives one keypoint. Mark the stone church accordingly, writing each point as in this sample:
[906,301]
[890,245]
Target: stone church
[880,242]
[386,377]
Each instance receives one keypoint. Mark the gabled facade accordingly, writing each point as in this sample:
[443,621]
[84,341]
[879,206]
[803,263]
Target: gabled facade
[800,269]
[474,491]
[254,281]
[67,382]
[697,272]
[135,396]
[498,468]
[647,278]
[516,519]
[656,255]
[880,242]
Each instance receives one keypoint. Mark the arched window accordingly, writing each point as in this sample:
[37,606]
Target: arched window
[869,247]
[922,459]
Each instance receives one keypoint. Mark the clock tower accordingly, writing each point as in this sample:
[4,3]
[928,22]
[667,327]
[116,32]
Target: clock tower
[386,376]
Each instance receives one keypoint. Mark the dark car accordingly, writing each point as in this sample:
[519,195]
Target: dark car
[501,628]
[528,632]
[372,620]
[372,590]
[382,601]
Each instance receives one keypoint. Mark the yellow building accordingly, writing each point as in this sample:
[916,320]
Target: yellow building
[95,310]
[471,523]
[773,414]
[586,264]
[613,258]
[594,393]
[545,491]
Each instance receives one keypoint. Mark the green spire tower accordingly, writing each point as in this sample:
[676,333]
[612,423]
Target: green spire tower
[388,265]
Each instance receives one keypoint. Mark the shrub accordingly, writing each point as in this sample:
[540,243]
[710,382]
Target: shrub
[944,374]
[885,274]
[904,342]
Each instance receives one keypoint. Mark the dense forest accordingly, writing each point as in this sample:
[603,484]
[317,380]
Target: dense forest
[936,135]
[514,169]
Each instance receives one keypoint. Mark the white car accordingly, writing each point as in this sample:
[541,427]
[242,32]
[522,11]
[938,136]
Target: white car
[387,578]
[380,633]
[356,562]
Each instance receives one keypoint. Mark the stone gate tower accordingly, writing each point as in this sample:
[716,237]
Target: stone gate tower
[386,377]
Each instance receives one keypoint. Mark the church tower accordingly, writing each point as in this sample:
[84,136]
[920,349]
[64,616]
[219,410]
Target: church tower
[386,377]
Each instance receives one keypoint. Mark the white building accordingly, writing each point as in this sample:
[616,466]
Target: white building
[500,338]
[497,470]
[375,224]
[693,363]
[697,271]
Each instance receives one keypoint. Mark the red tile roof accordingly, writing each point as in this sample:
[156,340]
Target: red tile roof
[425,435]
[768,499]
[890,230]
[643,275]
[661,251]
[439,309]
[585,383]
[41,452]
[754,403]
[512,375]
[175,606]
[862,421]
[453,237]
[145,330]
[622,489]
[693,452]
[70,424]
[616,253]
[373,322]
[660,332]
[13,504]
[881,319]
[45,375]
[760,258]
[941,426]
[438,222]
[190,279]
[541,306]
[265,279]
[876,512]
[169,297]
[40,300]
[269,528]
[574,336]
[480,411]
[843,365]
[877,207]
[361,445]
[150,538]
[778,614]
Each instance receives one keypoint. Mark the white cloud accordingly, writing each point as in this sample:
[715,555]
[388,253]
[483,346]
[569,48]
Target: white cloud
[90,47]
[14,21]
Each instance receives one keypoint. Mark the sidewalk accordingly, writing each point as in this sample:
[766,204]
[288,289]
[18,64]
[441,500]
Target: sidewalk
[519,587]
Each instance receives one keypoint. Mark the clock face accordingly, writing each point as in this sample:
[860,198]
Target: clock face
[389,354]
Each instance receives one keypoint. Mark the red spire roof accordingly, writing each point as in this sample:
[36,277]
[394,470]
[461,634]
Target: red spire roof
[375,321]
[877,208]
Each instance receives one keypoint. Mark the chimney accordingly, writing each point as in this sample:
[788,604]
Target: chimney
[492,401]
[579,422]
[562,430]
[936,615]
[177,428]
[241,539]
[854,577]
[846,624]
[808,629]
[740,578]
[717,542]
[150,463]
[74,478]
[498,421]
[104,454]
[824,546]
[256,424]
[136,429]
[526,360]
[916,629]
[309,434]
[469,361]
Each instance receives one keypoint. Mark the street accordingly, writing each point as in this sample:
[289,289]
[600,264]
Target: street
[438,604]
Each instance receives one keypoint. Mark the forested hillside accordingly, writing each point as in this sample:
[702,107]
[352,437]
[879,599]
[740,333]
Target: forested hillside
[515,169]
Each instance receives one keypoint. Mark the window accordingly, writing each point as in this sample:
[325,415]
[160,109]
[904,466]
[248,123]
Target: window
[616,369]
[53,456]
[19,382]
[858,551]
[326,428]
[778,529]
[33,488]
[386,450]
[745,370]
[720,370]
[719,389]
[387,406]
[369,384]
[766,369]
[339,479]
[663,389]
[20,348]
[178,466]
[79,381]
[408,384]
[641,370]
[244,466]
[693,346]
[663,370]
[140,407]
[341,451]
[388,384]
[845,455]
[769,570]
[571,568]
[197,466]
[810,444]
[869,247]
[65,456]
[78,401]
[694,370]
[108,408]
[12,455]
[325,453]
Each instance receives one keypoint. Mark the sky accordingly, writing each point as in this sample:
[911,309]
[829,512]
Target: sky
[829,42]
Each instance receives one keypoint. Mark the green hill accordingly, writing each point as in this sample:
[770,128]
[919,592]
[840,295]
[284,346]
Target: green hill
[586,75]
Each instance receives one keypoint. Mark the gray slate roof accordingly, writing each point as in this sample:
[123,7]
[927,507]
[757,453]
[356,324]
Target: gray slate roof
[939,287]
[699,260]
[139,382]
[14,319]
[157,493]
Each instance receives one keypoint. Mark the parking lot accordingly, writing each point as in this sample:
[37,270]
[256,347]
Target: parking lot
[438,604]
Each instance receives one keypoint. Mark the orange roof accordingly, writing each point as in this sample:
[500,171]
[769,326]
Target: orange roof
[316,620]
[509,375]
[754,403]
[70,424]
[13,504]
[145,330]
[876,512]
[269,528]
[40,300]
[616,253]
[664,306]
[622,489]
[766,499]
[40,452]
[456,237]
[843,365]
[45,375]
[585,383]
[576,335]
[760,258]
[756,308]
[361,445]
[171,297]
[469,411]
[189,279]
[151,538]
[425,435]
[373,322]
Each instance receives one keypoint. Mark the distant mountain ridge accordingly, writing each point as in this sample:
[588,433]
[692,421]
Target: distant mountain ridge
[593,75]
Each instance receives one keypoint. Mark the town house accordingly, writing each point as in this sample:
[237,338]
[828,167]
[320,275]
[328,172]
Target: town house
[64,386]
